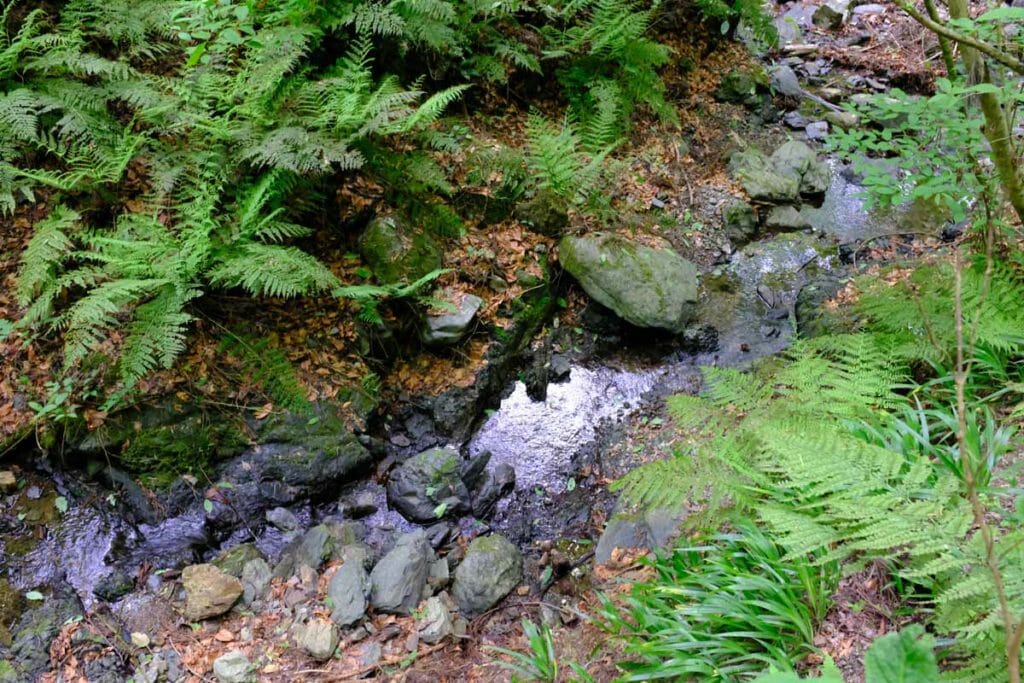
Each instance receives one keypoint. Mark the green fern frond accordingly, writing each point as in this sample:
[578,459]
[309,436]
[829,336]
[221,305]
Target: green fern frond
[45,253]
[270,270]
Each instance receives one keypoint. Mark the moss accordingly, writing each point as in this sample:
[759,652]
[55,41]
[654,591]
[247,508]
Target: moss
[12,603]
[19,545]
[159,455]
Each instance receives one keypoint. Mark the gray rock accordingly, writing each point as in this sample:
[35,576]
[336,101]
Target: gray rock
[795,159]
[842,119]
[209,592]
[396,251]
[795,120]
[869,8]
[256,576]
[358,505]
[762,181]
[232,667]
[789,30]
[645,286]
[496,484]
[372,653]
[355,552]
[317,637]
[817,130]
[740,222]
[283,519]
[311,550]
[234,559]
[398,579]
[783,81]
[783,218]
[348,591]
[828,16]
[438,574]
[450,327]
[421,484]
[436,623]
[491,569]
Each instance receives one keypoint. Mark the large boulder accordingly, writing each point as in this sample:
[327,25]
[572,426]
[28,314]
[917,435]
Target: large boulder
[397,252]
[762,181]
[428,486]
[398,580]
[643,285]
[209,592]
[491,569]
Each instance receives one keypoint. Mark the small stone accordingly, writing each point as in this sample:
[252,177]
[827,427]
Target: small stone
[842,119]
[140,639]
[795,120]
[817,130]
[232,667]
[256,576]
[283,519]
[8,482]
[438,574]
[784,82]
[436,623]
[372,653]
[234,559]
[869,8]
[318,638]
[450,327]
[209,592]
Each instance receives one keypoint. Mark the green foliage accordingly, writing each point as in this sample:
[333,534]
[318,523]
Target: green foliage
[904,657]
[265,365]
[541,662]
[254,114]
[831,455]
[724,610]
[746,14]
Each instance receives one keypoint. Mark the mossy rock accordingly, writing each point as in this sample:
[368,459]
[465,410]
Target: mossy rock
[159,455]
[398,252]
[643,285]
[545,213]
[743,85]
[12,603]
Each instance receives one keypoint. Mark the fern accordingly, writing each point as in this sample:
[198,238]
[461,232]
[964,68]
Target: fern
[266,365]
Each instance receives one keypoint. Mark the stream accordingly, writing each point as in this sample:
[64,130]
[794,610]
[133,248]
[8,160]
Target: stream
[749,301]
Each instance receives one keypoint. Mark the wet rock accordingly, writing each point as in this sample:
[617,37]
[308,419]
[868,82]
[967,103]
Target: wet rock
[209,592]
[372,653]
[474,472]
[813,319]
[436,623]
[29,653]
[343,534]
[398,579]
[491,569]
[397,252]
[256,577]
[868,9]
[795,159]
[783,218]
[438,574]
[742,86]
[829,16]
[234,559]
[740,221]
[449,328]
[282,519]
[545,213]
[559,368]
[428,486]
[104,669]
[645,286]
[318,638]
[310,550]
[762,181]
[164,667]
[348,592]
[362,504]
[114,586]
[497,484]
[232,667]
[359,553]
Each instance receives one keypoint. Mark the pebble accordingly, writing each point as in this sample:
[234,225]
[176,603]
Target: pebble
[232,667]
[817,130]
[140,639]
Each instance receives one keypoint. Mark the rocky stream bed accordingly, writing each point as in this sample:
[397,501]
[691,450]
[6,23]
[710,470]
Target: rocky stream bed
[439,509]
